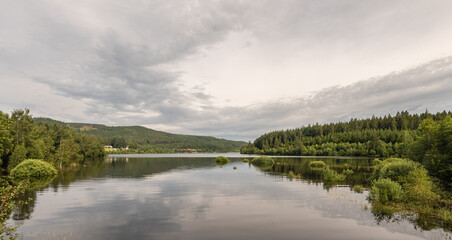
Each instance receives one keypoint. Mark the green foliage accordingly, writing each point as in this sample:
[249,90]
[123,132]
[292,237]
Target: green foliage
[222,160]
[5,136]
[412,176]
[67,153]
[329,175]
[21,139]
[145,140]
[385,190]
[419,187]
[21,127]
[317,164]
[8,203]
[396,169]
[383,136]
[433,148]
[291,175]
[118,142]
[19,154]
[245,160]
[263,161]
[358,188]
[376,161]
[234,168]
[405,184]
[249,148]
[33,169]
[347,172]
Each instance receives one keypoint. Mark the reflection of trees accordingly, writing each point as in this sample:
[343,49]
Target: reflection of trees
[361,169]
[24,211]
[141,167]
[222,164]
[115,167]
[64,178]
[425,222]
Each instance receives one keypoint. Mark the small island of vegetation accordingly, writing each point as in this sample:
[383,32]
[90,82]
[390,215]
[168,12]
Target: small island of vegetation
[317,164]
[263,162]
[221,160]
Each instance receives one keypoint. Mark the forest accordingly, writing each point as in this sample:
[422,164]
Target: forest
[21,139]
[425,138]
[140,139]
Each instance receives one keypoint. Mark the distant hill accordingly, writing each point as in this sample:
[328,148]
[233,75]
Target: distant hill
[149,140]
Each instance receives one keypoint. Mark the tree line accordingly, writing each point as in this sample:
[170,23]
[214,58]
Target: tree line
[144,140]
[21,138]
[426,138]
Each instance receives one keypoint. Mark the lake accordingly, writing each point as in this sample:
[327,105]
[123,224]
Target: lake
[188,196]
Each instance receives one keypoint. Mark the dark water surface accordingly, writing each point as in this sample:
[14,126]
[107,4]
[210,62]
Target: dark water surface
[187,197]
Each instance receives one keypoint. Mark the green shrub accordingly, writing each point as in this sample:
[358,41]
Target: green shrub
[419,187]
[385,190]
[330,175]
[347,172]
[33,169]
[245,160]
[291,175]
[396,169]
[234,167]
[317,164]
[358,188]
[263,161]
[412,177]
[222,160]
[445,215]
[376,161]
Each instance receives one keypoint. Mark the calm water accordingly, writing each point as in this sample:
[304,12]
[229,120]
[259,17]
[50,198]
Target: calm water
[190,197]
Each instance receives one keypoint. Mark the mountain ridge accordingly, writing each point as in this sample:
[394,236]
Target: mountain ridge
[143,136]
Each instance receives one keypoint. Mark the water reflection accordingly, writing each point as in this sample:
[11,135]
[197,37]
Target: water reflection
[362,170]
[191,198]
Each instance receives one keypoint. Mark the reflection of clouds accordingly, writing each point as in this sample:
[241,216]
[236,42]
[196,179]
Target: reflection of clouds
[208,203]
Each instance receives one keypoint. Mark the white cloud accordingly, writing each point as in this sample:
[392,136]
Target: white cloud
[225,68]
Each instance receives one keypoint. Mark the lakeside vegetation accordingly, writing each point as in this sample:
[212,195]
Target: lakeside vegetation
[417,183]
[138,139]
[424,138]
[418,177]
[221,161]
[33,169]
[377,136]
[402,185]
[21,139]
[30,154]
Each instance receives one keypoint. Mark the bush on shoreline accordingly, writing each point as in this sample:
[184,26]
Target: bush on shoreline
[33,169]
[405,185]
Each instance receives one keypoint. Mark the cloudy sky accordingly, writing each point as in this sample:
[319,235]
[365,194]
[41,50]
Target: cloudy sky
[230,69]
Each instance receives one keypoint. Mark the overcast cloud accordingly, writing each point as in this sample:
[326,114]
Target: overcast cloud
[232,69]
